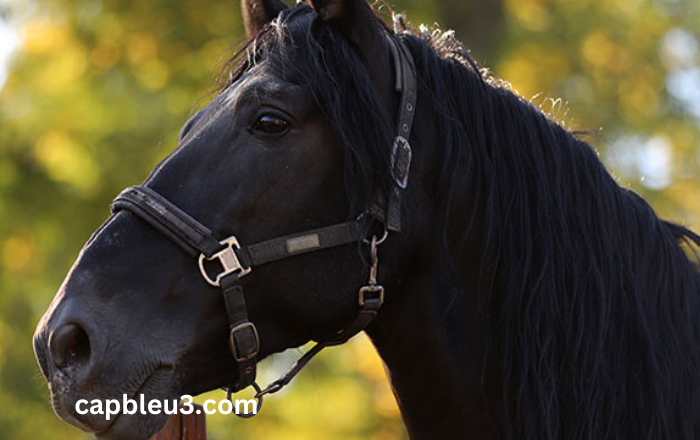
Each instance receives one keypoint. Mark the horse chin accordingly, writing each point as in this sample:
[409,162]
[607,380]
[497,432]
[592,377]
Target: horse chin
[141,425]
[134,427]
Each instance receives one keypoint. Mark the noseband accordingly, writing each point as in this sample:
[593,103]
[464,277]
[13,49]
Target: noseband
[237,260]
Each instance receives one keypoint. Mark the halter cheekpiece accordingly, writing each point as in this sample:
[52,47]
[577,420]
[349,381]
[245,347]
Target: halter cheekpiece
[236,261]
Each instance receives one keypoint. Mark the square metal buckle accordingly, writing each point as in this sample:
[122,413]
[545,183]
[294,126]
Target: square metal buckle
[232,342]
[376,289]
[228,259]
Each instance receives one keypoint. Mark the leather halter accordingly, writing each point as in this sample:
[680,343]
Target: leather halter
[236,260]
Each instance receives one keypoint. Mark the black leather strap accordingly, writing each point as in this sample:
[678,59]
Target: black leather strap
[244,342]
[401,153]
[296,244]
[167,218]
[367,313]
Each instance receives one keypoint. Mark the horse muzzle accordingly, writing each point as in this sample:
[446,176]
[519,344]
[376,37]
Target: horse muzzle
[65,355]
[80,372]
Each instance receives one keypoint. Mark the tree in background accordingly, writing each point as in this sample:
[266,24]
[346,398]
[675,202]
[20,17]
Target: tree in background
[98,90]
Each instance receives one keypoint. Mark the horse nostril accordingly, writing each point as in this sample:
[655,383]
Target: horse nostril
[69,345]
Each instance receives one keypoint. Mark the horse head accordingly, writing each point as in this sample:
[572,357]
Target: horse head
[276,152]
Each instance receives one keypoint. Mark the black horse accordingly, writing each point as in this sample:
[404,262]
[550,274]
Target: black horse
[528,296]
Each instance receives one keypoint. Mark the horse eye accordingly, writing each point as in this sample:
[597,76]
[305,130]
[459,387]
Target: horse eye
[270,124]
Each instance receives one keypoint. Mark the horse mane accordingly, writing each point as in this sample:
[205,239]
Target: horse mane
[591,304]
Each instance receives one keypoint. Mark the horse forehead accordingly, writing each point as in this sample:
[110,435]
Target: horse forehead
[258,82]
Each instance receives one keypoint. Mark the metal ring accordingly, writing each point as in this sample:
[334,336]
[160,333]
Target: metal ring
[374,238]
[384,235]
[257,396]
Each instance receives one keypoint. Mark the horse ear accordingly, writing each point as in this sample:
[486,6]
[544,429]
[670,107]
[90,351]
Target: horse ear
[258,13]
[353,18]
[358,23]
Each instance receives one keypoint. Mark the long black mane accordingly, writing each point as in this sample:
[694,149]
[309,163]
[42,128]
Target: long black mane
[590,301]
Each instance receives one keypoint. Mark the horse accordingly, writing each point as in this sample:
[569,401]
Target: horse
[511,287]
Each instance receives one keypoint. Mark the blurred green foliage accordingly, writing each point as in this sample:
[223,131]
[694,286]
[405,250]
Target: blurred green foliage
[98,89]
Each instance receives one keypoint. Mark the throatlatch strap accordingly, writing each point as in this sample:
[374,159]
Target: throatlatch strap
[401,150]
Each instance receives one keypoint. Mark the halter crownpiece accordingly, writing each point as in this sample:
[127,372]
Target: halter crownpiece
[236,260]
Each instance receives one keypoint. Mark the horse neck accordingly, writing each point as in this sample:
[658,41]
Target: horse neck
[433,357]
[430,332]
